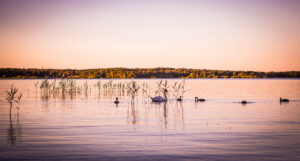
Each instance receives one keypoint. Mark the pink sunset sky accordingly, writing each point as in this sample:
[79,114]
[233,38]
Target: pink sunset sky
[261,35]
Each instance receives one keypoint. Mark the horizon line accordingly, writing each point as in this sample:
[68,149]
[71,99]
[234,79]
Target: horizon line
[147,68]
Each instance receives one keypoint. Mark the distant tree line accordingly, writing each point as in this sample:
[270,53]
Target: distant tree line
[19,73]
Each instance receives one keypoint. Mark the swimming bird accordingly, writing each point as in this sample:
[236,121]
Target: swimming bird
[158,99]
[179,99]
[199,99]
[117,100]
[284,100]
[243,102]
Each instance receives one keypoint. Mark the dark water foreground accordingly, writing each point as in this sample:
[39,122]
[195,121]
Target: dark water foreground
[93,128]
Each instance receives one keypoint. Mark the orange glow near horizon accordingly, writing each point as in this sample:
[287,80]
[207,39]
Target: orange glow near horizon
[225,35]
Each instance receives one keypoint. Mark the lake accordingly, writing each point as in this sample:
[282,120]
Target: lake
[88,126]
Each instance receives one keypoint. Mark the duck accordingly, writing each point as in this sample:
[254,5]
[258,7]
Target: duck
[243,102]
[199,99]
[284,100]
[179,99]
[158,99]
[117,100]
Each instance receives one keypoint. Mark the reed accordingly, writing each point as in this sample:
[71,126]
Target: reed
[178,89]
[146,90]
[86,88]
[182,88]
[19,98]
[79,89]
[53,87]
[45,85]
[132,89]
[99,86]
[36,84]
[63,86]
[69,87]
[163,88]
[71,84]
[11,95]
[18,101]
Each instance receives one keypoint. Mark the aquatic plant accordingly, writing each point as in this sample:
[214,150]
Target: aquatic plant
[53,88]
[120,88]
[109,89]
[178,89]
[78,89]
[162,88]
[123,88]
[19,98]
[146,90]
[63,85]
[36,85]
[18,101]
[71,84]
[105,88]
[45,85]
[99,85]
[11,95]
[86,88]
[132,89]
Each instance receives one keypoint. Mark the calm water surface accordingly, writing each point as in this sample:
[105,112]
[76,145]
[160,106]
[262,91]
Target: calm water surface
[91,127]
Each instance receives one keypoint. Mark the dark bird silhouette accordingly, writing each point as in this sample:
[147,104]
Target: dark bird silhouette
[179,99]
[284,100]
[158,99]
[243,102]
[199,99]
[117,100]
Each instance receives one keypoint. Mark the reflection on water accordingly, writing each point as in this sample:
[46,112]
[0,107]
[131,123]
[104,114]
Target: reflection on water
[161,111]
[165,115]
[87,125]
[180,112]
[132,114]
[14,131]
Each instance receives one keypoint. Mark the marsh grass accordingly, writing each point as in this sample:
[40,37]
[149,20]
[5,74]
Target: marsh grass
[45,85]
[69,88]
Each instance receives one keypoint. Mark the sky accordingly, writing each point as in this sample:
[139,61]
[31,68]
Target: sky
[259,35]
